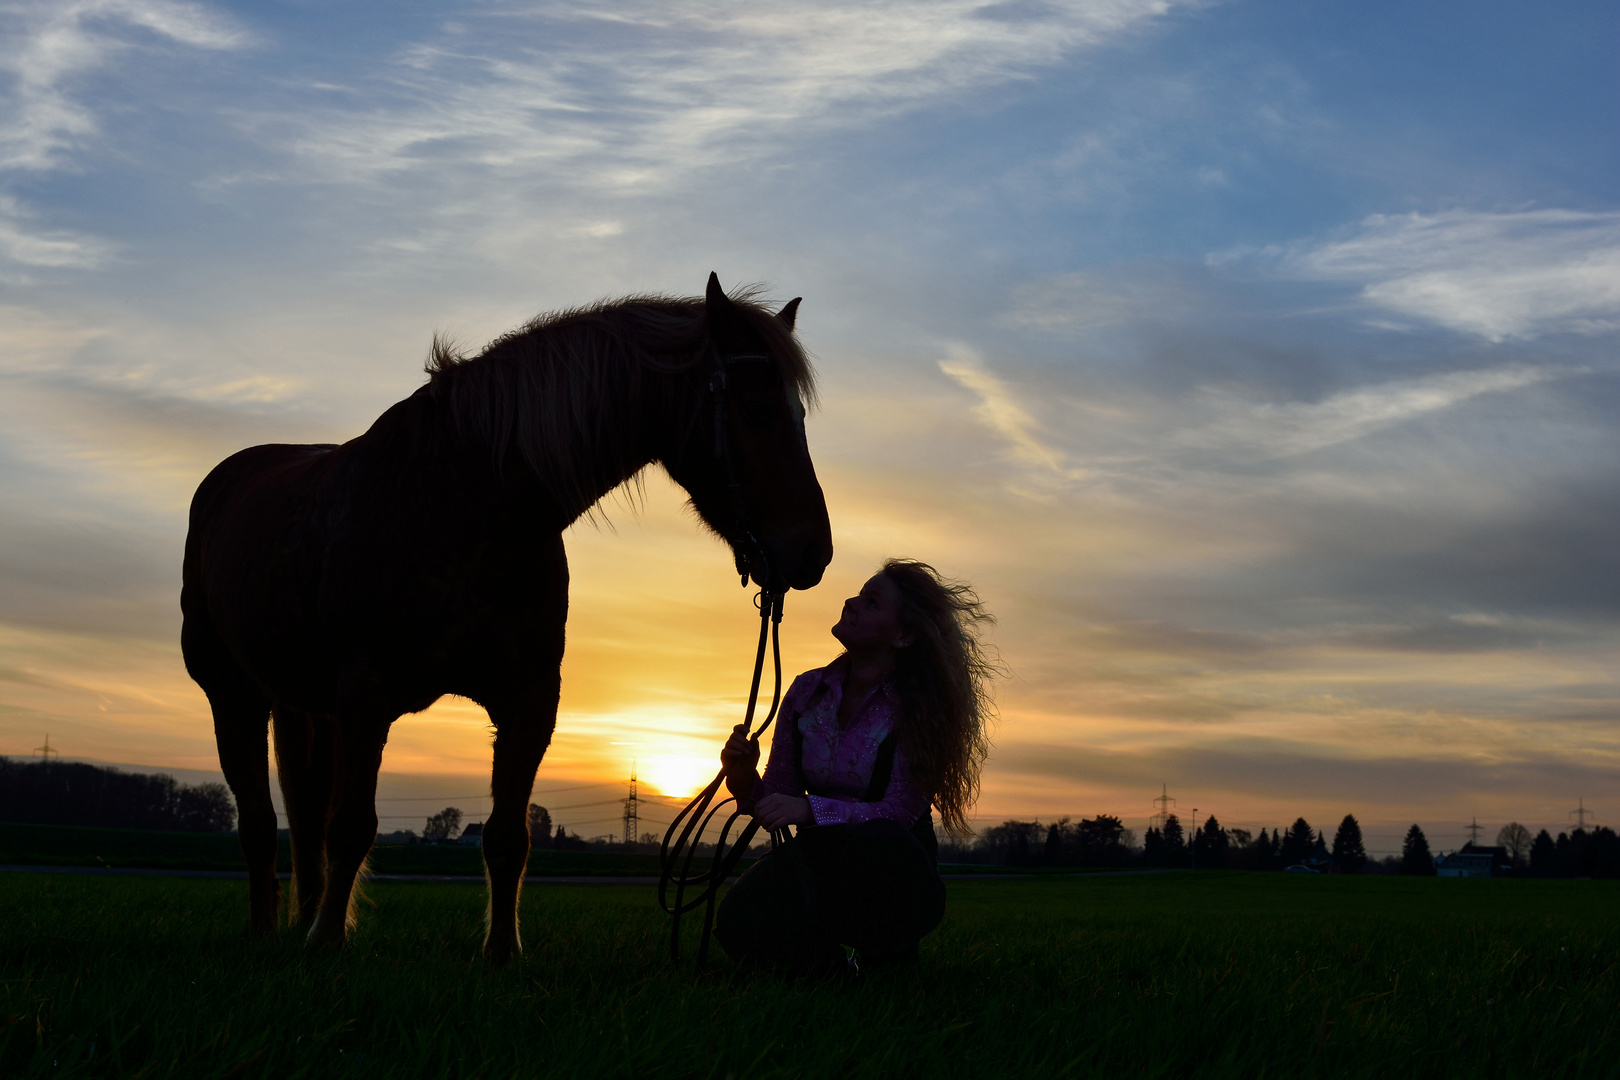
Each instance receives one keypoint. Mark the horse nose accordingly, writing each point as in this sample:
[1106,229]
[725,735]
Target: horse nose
[813,560]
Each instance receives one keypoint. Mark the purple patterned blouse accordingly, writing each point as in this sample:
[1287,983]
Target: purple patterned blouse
[838,762]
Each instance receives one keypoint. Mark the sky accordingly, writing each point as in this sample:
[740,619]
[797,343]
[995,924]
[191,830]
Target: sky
[1254,360]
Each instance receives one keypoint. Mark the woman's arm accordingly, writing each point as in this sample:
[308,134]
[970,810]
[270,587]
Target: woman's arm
[904,801]
[741,755]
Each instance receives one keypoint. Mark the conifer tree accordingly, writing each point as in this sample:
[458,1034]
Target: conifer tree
[1415,856]
[1349,854]
[1542,854]
[1297,843]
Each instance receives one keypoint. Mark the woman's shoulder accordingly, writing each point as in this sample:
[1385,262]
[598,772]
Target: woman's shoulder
[806,685]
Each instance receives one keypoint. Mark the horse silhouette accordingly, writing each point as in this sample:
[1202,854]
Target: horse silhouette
[337,588]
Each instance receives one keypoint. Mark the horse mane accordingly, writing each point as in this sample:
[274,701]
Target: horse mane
[563,389]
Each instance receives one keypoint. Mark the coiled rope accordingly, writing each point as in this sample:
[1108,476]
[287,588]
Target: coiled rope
[678,853]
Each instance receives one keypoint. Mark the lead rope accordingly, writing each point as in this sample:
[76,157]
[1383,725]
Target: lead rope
[675,859]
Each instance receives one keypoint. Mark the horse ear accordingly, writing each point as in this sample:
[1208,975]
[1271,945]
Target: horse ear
[722,315]
[790,312]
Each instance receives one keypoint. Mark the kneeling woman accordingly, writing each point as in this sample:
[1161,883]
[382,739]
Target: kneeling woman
[863,746]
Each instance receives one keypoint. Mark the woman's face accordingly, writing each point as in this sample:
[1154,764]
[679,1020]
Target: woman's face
[871,619]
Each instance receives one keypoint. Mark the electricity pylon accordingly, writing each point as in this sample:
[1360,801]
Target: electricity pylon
[1580,813]
[1164,802]
[632,823]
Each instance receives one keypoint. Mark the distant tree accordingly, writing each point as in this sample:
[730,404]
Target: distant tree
[1320,858]
[1543,853]
[1349,854]
[1602,854]
[204,808]
[651,838]
[1265,852]
[1101,841]
[1211,845]
[75,793]
[442,827]
[1415,856]
[1239,838]
[1517,840]
[561,838]
[1012,843]
[539,826]
[1153,846]
[1053,851]
[1296,844]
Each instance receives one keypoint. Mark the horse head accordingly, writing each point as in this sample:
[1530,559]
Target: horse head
[745,461]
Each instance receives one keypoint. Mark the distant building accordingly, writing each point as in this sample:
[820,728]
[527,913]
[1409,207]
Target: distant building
[1474,861]
[472,835]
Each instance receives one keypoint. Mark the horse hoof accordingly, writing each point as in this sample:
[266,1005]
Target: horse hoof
[498,952]
[322,935]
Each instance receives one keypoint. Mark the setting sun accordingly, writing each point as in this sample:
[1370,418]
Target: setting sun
[677,775]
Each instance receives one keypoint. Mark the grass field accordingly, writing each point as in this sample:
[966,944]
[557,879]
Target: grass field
[1182,975]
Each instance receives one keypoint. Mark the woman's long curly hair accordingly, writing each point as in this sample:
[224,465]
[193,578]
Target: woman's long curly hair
[942,679]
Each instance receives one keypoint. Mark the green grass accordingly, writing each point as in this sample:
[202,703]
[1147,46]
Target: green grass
[67,845]
[1219,974]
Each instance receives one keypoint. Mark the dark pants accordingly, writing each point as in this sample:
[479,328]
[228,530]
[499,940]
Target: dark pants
[871,886]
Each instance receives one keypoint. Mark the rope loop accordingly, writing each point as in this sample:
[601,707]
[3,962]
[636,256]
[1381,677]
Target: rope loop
[685,834]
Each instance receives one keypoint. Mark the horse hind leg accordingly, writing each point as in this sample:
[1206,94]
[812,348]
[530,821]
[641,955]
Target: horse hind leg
[305,754]
[351,825]
[240,729]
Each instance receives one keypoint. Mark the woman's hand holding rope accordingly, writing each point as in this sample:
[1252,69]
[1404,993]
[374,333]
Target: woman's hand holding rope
[779,811]
[740,759]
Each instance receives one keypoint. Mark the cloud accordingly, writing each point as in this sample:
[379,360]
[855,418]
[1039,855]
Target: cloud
[45,47]
[1300,427]
[647,90]
[1084,301]
[999,410]
[23,246]
[1498,276]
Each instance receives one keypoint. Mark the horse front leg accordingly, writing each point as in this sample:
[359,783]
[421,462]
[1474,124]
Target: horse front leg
[522,735]
[351,827]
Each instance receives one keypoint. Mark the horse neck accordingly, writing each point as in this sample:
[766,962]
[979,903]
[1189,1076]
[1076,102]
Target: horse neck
[629,421]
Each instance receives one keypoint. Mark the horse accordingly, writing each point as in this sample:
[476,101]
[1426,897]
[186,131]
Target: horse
[336,588]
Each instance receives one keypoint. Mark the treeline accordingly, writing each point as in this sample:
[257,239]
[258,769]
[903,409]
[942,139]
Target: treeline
[1103,841]
[72,793]
[445,828]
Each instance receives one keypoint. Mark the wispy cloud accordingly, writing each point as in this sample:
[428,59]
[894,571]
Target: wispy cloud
[1083,302]
[1000,411]
[646,90]
[23,245]
[1274,430]
[1498,276]
[45,47]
